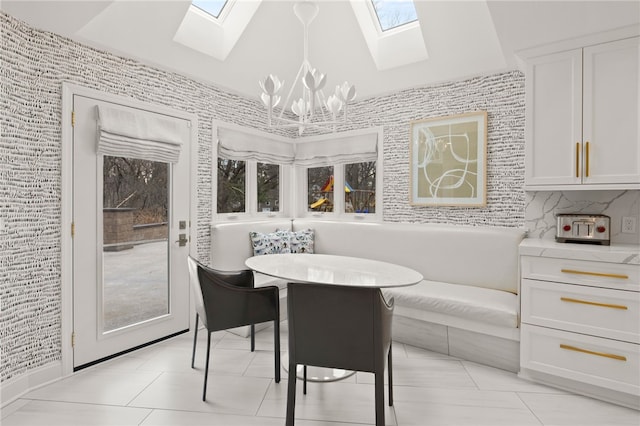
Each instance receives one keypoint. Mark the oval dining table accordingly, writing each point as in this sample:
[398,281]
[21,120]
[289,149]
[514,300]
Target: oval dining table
[332,270]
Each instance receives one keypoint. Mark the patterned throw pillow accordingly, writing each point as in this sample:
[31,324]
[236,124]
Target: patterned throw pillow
[271,243]
[302,241]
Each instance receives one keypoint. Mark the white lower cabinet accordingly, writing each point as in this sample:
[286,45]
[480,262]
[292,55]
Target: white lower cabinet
[594,360]
[580,326]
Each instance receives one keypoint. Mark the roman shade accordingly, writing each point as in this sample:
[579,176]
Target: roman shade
[241,146]
[337,150]
[126,132]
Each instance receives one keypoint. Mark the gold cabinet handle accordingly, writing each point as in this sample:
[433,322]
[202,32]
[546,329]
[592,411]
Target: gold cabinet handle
[586,351]
[586,160]
[595,274]
[577,159]
[587,302]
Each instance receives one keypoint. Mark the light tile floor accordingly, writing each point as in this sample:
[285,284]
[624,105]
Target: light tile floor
[156,386]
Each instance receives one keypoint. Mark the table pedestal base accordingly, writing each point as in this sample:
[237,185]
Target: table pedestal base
[318,374]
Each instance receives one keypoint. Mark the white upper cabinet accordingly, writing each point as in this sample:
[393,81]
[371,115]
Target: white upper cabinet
[582,127]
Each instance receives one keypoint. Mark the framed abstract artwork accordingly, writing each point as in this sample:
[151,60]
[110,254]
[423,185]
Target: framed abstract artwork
[448,157]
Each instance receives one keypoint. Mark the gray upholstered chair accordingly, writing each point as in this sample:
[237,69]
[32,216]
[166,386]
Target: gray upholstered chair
[228,299]
[339,327]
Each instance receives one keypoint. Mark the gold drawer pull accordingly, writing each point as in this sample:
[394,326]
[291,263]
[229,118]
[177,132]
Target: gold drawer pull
[586,302]
[595,274]
[586,351]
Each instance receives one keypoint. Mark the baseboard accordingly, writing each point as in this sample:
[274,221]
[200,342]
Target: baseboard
[14,388]
[597,392]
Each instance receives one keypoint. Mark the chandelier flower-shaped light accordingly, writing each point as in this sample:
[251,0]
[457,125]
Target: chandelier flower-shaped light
[313,109]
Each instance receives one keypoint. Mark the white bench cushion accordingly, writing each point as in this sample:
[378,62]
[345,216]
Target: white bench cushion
[490,306]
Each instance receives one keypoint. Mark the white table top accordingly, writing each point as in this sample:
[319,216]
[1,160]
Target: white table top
[334,270]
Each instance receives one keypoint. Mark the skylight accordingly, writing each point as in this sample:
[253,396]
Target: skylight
[212,7]
[394,13]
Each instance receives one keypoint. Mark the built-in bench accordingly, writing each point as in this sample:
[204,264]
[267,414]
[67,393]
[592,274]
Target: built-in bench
[467,306]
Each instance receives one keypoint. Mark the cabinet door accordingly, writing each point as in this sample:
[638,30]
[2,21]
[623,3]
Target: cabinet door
[554,119]
[610,111]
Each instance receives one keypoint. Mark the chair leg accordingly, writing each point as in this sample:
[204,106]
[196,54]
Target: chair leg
[195,339]
[390,371]
[291,394]
[206,367]
[276,349]
[253,337]
[379,391]
[304,380]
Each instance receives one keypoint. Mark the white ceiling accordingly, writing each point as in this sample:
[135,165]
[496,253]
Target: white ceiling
[463,38]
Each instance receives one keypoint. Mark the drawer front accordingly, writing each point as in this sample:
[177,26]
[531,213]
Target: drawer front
[613,314]
[601,362]
[596,274]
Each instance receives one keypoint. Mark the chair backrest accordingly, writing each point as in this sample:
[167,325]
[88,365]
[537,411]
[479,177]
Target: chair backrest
[226,299]
[194,281]
[338,327]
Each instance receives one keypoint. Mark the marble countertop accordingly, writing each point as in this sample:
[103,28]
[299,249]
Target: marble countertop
[615,253]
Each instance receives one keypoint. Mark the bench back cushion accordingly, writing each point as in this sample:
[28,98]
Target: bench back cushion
[479,256]
[231,245]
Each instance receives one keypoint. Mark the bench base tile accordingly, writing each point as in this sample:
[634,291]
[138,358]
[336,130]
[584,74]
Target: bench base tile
[464,344]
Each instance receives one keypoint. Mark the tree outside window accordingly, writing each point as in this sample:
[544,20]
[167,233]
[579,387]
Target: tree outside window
[360,187]
[268,187]
[231,186]
[137,184]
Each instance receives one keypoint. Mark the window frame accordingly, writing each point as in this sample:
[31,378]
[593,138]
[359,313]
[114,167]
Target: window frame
[376,18]
[294,182]
[251,182]
[338,212]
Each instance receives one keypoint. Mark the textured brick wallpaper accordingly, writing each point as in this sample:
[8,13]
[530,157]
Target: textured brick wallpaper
[502,96]
[33,65]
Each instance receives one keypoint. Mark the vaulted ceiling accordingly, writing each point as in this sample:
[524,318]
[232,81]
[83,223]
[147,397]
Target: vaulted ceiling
[462,38]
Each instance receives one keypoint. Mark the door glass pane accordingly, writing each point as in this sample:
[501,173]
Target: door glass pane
[360,187]
[231,186]
[268,187]
[320,189]
[135,235]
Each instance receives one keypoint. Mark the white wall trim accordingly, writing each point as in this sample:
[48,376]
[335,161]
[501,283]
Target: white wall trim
[575,43]
[14,388]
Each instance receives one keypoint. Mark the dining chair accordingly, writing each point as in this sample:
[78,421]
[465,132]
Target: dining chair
[225,300]
[339,327]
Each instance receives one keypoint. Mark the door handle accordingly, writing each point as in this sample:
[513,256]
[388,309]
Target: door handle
[182,240]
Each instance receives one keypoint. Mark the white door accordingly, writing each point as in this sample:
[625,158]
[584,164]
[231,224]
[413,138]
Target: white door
[130,278]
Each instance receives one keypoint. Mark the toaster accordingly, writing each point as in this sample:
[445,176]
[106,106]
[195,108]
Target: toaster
[583,228]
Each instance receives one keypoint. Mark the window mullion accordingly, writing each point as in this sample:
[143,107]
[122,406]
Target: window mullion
[338,189]
[251,200]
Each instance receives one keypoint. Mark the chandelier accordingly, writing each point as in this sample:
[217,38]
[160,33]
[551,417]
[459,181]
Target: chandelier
[313,109]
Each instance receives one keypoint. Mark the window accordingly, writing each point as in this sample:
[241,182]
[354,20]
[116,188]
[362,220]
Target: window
[212,7]
[320,189]
[394,13]
[231,186]
[254,173]
[268,183]
[392,31]
[339,176]
[336,175]
[360,187]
